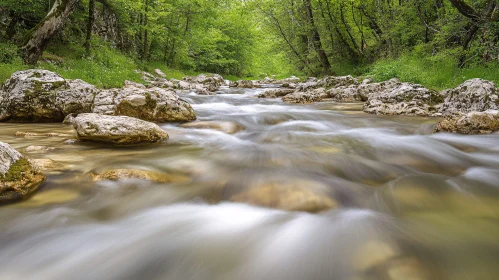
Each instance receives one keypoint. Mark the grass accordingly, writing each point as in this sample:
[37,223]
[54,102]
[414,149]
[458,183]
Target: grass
[437,72]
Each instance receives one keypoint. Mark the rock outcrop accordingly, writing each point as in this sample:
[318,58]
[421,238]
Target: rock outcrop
[18,177]
[117,129]
[474,95]
[210,82]
[471,123]
[150,104]
[275,93]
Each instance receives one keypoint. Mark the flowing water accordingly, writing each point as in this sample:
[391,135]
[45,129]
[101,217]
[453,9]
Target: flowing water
[408,204]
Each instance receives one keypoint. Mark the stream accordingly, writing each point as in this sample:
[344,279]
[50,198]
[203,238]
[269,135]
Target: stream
[408,204]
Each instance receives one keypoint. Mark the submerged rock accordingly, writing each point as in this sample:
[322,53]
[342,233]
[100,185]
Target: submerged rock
[223,126]
[471,123]
[153,104]
[298,195]
[122,174]
[42,96]
[36,134]
[18,177]
[404,99]
[474,95]
[117,129]
[46,164]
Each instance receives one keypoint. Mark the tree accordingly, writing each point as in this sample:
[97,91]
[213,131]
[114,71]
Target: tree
[40,36]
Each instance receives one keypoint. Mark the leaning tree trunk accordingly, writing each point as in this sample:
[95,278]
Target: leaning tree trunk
[45,30]
[316,38]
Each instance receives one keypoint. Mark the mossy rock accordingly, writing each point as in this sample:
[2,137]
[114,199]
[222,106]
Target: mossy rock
[19,178]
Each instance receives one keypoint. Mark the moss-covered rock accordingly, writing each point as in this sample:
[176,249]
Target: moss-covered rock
[117,129]
[42,96]
[18,178]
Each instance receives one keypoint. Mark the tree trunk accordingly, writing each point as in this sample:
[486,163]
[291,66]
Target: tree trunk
[90,23]
[45,30]
[316,38]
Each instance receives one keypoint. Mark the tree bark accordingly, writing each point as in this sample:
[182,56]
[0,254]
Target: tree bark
[90,23]
[40,36]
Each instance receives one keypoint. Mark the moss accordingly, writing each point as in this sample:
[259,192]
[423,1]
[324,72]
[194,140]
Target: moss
[17,171]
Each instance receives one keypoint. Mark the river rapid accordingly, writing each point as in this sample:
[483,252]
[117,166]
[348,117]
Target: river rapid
[410,205]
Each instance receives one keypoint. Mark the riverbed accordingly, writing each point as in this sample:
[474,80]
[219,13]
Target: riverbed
[408,204]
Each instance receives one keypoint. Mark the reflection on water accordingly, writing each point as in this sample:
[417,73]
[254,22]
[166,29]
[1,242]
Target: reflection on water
[393,200]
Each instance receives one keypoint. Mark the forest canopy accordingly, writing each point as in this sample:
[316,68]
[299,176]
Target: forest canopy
[252,38]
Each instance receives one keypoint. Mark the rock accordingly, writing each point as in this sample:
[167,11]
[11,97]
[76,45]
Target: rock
[30,96]
[328,82]
[42,96]
[159,73]
[406,269]
[54,196]
[39,149]
[223,126]
[242,84]
[18,177]
[34,134]
[117,129]
[147,77]
[292,195]
[474,95]
[77,98]
[204,92]
[130,84]
[45,164]
[345,94]
[303,97]
[210,82]
[122,174]
[152,104]
[471,123]
[404,99]
[275,93]
[372,254]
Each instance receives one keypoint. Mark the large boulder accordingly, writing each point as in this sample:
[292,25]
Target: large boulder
[150,104]
[471,123]
[42,96]
[117,129]
[404,99]
[474,95]
[18,177]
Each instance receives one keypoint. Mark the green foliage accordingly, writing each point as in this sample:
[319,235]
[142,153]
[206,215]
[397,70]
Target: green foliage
[438,72]
[8,53]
